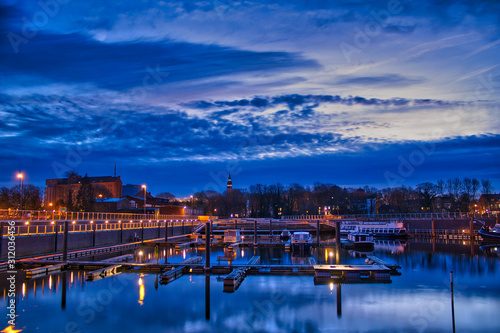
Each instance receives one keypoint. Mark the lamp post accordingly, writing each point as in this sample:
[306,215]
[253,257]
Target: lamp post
[144,187]
[21,177]
[192,202]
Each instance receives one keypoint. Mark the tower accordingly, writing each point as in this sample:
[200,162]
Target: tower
[229,183]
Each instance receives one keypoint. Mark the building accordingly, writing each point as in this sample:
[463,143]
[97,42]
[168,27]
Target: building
[58,190]
[130,189]
[229,183]
[361,202]
[489,204]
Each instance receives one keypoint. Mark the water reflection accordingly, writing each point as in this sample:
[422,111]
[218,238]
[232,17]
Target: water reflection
[277,303]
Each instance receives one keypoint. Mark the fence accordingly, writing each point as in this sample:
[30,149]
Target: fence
[405,216]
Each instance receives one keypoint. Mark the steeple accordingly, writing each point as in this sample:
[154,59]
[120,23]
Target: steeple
[229,183]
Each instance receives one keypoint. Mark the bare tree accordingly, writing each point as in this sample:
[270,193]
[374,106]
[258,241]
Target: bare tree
[487,186]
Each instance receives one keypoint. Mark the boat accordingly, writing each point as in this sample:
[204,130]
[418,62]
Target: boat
[301,241]
[492,234]
[377,229]
[285,235]
[361,241]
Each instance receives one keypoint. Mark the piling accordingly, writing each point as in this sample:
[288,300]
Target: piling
[207,245]
[317,232]
[207,297]
[63,289]
[471,230]
[271,229]
[57,232]
[337,233]
[255,232]
[121,233]
[142,232]
[93,234]
[166,231]
[433,229]
[65,241]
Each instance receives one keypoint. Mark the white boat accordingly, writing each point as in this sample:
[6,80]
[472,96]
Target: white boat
[361,241]
[377,229]
[301,240]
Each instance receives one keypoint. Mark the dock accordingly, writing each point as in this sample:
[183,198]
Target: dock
[44,270]
[177,272]
[392,267]
[352,273]
[103,273]
[186,245]
[236,277]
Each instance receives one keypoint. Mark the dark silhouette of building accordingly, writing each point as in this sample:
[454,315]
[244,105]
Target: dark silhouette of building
[58,190]
[229,183]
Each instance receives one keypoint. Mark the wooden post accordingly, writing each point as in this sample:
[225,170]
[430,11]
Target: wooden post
[65,241]
[337,241]
[271,229]
[207,245]
[433,229]
[121,233]
[166,231]
[93,234]
[339,299]
[255,232]
[142,232]
[471,229]
[317,232]
[235,223]
[57,231]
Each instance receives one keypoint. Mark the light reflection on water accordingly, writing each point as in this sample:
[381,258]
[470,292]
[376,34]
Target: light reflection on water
[418,300]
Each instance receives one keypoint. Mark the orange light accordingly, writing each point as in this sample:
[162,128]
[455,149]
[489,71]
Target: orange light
[20,175]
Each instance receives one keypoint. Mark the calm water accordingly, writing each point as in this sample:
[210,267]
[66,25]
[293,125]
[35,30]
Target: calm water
[416,301]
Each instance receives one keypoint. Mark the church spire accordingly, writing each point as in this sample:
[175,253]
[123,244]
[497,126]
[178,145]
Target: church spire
[229,183]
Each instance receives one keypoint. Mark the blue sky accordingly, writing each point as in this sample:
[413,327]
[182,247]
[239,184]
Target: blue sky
[178,93]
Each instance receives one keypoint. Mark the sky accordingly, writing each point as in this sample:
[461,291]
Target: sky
[177,94]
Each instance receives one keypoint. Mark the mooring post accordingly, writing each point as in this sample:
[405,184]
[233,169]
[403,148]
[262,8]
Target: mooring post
[235,223]
[65,241]
[207,245]
[142,232]
[337,233]
[452,303]
[166,231]
[63,289]
[93,234]
[255,232]
[271,229]
[339,299]
[433,229]
[56,226]
[317,232]
[471,229]
[121,233]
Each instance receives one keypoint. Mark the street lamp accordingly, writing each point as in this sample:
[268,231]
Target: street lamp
[192,202]
[144,187]
[21,177]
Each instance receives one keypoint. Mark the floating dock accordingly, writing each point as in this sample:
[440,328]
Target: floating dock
[44,270]
[177,272]
[351,273]
[236,277]
[103,273]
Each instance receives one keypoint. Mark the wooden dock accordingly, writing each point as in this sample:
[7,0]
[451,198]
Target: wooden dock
[103,273]
[236,277]
[44,270]
[392,267]
[186,245]
[352,273]
[177,272]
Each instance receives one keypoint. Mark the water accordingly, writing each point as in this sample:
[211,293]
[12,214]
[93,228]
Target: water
[417,301]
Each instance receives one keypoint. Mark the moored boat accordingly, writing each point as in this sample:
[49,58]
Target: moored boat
[301,241]
[492,234]
[361,241]
[285,235]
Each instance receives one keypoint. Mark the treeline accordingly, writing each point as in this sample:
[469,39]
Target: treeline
[11,197]
[275,200]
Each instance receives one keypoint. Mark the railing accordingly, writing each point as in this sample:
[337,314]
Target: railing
[42,215]
[42,228]
[405,216]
